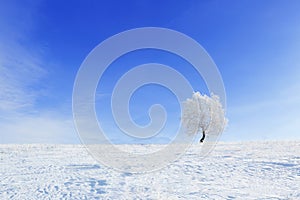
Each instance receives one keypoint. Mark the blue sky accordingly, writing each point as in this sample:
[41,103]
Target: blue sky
[255,45]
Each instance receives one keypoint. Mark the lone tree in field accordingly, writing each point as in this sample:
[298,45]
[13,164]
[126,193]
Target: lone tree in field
[203,113]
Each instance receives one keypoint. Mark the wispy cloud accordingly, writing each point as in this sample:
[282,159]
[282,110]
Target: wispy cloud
[20,66]
[20,73]
[22,83]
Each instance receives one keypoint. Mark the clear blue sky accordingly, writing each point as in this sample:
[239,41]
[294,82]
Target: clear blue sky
[255,44]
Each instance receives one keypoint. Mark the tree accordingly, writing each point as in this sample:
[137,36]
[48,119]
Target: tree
[203,113]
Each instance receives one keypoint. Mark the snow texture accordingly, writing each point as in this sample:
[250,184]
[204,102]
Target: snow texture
[249,170]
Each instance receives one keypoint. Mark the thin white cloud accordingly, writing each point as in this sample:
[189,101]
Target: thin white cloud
[22,77]
[20,72]
[20,66]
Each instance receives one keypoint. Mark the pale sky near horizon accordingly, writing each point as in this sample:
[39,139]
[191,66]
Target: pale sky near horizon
[255,44]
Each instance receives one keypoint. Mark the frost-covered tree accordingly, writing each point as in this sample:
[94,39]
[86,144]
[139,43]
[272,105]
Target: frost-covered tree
[203,113]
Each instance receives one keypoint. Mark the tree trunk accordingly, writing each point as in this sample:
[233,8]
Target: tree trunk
[203,137]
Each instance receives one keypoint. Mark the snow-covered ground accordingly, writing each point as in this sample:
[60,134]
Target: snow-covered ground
[249,170]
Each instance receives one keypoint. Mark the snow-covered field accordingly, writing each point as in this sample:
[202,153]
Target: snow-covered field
[249,170]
